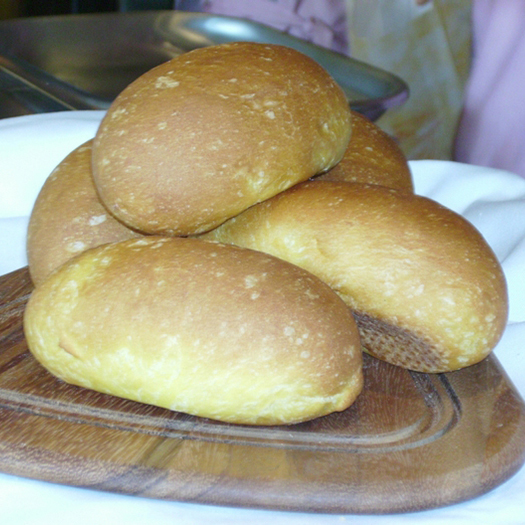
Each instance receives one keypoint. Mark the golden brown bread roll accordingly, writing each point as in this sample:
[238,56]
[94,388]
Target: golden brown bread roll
[427,291]
[372,157]
[68,217]
[199,327]
[211,132]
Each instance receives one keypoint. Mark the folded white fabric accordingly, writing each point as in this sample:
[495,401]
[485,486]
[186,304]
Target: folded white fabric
[493,200]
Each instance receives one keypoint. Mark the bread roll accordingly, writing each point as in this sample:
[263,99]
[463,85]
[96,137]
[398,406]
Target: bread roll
[372,157]
[211,132]
[427,291]
[68,217]
[194,326]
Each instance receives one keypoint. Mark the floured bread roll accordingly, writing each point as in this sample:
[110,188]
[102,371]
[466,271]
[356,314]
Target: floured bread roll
[68,217]
[213,131]
[198,327]
[427,291]
[372,157]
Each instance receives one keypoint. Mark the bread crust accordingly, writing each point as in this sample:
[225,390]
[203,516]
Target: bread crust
[198,327]
[211,132]
[68,217]
[372,157]
[427,290]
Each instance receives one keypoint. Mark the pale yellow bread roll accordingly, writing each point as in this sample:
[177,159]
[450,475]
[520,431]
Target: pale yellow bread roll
[198,327]
[372,157]
[427,291]
[68,217]
[213,131]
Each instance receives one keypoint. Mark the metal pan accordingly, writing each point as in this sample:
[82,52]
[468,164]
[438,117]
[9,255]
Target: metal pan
[83,61]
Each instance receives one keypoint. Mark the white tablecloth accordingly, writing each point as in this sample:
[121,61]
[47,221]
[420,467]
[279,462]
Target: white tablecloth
[494,201]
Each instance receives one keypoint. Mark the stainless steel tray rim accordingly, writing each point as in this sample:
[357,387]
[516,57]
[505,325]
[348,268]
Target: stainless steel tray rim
[29,47]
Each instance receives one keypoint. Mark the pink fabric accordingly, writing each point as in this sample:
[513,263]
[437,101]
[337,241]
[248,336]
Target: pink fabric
[320,22]
[492,128]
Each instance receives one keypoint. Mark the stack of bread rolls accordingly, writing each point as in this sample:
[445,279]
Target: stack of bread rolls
[235,236]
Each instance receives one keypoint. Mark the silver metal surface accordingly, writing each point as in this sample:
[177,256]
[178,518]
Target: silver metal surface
[84,61]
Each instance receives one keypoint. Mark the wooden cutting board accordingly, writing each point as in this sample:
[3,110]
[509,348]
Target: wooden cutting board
[412,441]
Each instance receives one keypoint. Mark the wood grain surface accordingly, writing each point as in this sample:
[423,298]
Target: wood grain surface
[411,441]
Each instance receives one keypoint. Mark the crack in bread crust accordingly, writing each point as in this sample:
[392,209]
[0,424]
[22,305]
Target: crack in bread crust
[399,346]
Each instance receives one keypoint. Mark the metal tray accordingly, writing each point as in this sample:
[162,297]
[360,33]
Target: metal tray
[55,63]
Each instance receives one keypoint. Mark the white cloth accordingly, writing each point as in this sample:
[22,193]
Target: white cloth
[493,200]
